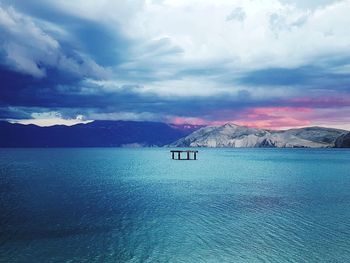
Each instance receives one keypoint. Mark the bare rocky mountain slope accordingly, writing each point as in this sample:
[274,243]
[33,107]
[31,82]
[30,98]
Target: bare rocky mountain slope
[343,141]
[231,135]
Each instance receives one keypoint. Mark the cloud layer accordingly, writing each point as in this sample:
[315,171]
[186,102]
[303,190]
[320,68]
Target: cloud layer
[266,63]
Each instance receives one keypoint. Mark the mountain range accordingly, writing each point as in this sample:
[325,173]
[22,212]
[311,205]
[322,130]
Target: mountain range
[231,135]
[94,134]
[157,134]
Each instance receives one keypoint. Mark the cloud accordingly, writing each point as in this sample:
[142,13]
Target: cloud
[253,44]
[165,60]
[25,56]
[27,48]
[310,4]
[50,118]
[237,14]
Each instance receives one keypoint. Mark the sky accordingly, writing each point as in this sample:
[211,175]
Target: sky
[271,64]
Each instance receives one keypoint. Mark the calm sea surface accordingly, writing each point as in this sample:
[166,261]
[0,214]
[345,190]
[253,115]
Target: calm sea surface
[138,205]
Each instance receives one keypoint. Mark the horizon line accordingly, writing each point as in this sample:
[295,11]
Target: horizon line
[72,122]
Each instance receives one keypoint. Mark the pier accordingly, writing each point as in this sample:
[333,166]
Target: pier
[176,155]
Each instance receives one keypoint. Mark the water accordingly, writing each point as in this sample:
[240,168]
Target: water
[137,205]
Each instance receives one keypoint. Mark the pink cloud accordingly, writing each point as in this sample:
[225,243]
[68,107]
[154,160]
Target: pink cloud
[275,118]
[187,120]
[194,121]
[272,117]
[278,110]
[275,124]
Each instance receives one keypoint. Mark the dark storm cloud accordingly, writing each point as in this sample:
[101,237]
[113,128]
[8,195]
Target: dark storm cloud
[73,96]
[51,58]
[305,77]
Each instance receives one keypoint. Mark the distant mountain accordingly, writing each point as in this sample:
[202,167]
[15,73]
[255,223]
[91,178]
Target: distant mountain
[94,134]
[231,135]
[343,141]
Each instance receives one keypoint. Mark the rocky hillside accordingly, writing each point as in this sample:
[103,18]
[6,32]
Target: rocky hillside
[231,135]
[343,141]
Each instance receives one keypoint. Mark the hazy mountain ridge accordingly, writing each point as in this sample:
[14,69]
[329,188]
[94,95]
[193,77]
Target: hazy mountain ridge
[231,135]
[94,134]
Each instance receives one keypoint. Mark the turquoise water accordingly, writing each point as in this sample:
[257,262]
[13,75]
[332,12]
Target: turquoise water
[138,205]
